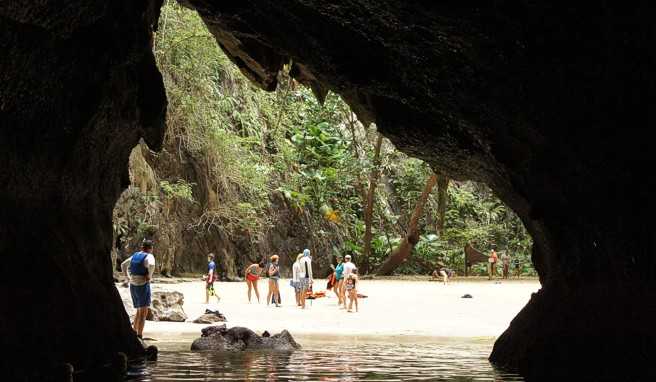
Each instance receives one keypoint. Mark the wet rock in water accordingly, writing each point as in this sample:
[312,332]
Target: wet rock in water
[266,334]
[466,296]
[236,339]
[212,330]
[210,317]
[167,306]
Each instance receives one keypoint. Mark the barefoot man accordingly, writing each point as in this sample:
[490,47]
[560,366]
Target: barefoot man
[138,270]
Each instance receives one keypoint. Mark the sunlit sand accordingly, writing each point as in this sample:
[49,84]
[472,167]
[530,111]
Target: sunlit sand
[393,310]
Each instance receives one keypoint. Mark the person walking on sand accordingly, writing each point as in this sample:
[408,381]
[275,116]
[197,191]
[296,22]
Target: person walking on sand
[492,263]
[339,280]
[505,262]
[296,281]
[350,283]
[253,273]
[209,278]
[347,269]
[138,270]
[305,276]
[274,277]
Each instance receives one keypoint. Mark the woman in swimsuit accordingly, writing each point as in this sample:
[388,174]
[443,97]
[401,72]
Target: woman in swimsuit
[253,273]
[274,276]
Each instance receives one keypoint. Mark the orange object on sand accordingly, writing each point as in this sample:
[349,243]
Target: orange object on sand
[312,295]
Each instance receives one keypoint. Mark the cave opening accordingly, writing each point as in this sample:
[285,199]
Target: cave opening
[549,105]
[227,141]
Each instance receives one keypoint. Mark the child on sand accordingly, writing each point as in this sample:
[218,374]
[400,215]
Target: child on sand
[350,284]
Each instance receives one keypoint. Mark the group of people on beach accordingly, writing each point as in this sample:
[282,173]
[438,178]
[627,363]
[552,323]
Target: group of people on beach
[343,280]
[494,259]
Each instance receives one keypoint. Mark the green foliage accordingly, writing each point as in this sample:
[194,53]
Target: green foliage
[180,189]
[318,157]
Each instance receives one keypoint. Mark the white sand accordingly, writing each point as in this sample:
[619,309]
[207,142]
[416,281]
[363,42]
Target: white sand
[399,309]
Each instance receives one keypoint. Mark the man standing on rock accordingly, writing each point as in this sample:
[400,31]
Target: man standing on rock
[210,278]
[138,269]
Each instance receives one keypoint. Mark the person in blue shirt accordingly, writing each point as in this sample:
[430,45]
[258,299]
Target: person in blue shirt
[138,269]
[339,280]
[210,277]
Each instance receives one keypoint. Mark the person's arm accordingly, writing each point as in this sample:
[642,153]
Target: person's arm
[270,271]
[124,268]
[309,263]
[150,264]
[248,269]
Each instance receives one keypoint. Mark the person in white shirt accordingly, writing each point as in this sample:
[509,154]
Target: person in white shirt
[348,268]
[305,275]
[296,281]
[138,270]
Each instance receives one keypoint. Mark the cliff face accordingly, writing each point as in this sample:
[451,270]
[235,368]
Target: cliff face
[184,233]
[549,105]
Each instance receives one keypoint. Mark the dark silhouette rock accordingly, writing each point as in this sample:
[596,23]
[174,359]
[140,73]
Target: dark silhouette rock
[549,104]
[239,339]
[466,295]
[167,306]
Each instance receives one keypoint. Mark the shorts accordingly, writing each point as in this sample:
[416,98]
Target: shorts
[303,284]
[140,295]
[252,277]
[210,288]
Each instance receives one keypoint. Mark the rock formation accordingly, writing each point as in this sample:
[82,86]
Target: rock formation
[549,104]
[167,306]
[218,338]
[210,317]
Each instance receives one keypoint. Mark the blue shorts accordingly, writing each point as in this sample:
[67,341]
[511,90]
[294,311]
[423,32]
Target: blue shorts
[140,295]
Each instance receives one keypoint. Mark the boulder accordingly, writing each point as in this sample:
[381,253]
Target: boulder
[167,306]
[218,338]
[210,317]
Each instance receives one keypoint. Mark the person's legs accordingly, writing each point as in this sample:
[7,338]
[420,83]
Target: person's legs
[350,295]
[276,293]
[444,277]
[249,283]
[489,271]
[270,291]
[207,294]
[257,293]
[355,298]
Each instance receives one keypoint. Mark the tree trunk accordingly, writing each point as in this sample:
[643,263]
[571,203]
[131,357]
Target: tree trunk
[412,237]
[442,197]
[369,206]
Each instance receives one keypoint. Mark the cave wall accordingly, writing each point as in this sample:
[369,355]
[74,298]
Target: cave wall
[78,88]
[551,105]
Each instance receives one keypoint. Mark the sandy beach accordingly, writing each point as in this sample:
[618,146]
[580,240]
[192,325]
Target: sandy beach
[394,310]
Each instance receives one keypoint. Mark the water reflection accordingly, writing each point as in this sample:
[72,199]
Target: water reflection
[330,362]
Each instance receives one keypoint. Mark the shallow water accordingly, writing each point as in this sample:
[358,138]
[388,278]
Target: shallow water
[331,361]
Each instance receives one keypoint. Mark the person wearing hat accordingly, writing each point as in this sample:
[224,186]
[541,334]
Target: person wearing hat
[347,269]
[305,276]
[274,276]
[138,270]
